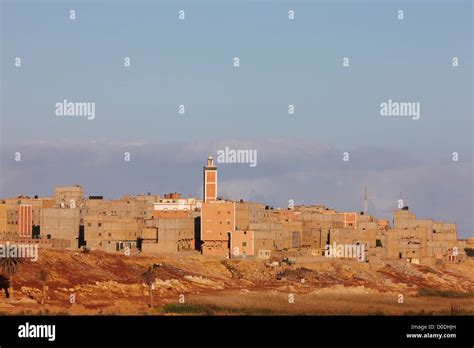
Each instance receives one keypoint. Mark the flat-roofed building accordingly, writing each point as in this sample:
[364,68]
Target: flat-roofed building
[268,235]
[114,225]
[178,204]
[111,233]
[168,234]
[23,216]
[246,214]
[61,225]
[217,225]
[242,243]
[422,241]
[8,221]
[69,196]
[128,207]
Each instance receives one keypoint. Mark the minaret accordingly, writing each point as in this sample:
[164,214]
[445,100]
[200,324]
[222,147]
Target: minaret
[210,181]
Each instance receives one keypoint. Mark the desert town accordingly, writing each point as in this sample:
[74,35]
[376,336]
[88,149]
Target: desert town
[100,248]
[216,227]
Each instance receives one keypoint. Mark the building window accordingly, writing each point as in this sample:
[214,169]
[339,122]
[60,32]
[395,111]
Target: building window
[244,244]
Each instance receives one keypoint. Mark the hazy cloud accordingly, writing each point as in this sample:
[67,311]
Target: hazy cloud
[302,170]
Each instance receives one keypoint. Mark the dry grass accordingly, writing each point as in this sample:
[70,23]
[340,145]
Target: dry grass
[319,304]
[444,293]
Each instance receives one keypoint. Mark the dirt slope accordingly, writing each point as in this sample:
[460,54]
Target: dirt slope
[105,283]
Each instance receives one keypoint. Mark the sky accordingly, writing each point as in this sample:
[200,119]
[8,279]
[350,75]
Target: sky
[190,62]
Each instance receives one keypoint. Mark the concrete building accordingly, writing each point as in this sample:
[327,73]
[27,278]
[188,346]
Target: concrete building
[177,204]
[168,233]
[247,213]
[422,241]
[8,221]
[111,233]
[226,225]
[242,243]
[217,225]
[223,228]
[69,196]
[268,236]
[220,234]
[114,225]
[27,221]
[61,225]
[128,207]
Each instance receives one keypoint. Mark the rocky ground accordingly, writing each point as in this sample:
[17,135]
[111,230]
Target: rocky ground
[188,283]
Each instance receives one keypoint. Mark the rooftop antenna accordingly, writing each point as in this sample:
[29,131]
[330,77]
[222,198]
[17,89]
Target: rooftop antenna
[365,201]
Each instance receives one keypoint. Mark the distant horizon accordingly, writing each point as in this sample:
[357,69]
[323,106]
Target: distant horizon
[230,189]
[219,198]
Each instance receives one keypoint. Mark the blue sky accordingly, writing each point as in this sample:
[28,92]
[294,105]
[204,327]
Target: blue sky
[283,62]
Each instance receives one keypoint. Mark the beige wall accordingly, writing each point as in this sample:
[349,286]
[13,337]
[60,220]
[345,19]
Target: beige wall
[247,213]
[99,230]
[172,235]
[69,196]
[60,223]
[8,221]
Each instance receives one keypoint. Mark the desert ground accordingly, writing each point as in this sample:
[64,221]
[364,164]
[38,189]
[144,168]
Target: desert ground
[99,283]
